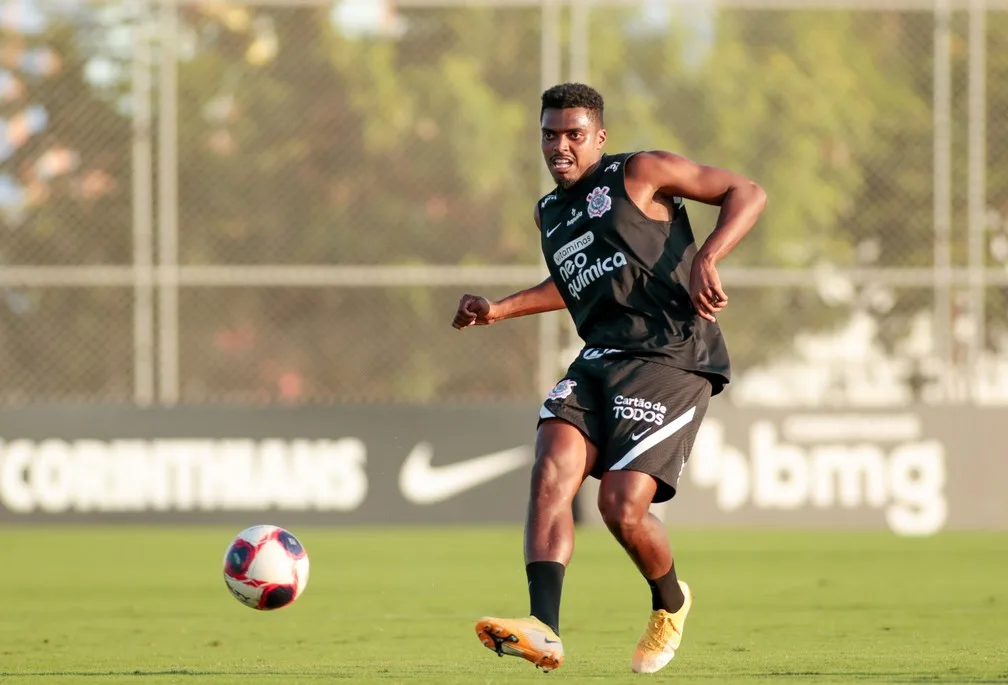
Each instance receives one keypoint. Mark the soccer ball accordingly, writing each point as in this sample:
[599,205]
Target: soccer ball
[266,568]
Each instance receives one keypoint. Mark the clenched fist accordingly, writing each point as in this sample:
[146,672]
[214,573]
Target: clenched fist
[473,310]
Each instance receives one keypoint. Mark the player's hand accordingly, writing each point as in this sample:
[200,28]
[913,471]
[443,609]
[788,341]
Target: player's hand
[473,310]
[705,289]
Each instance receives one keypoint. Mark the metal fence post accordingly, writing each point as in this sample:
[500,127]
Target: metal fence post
[168,328]
[143,209]
[977,201]
[942,117]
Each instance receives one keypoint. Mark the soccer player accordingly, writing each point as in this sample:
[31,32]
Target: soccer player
[623,261]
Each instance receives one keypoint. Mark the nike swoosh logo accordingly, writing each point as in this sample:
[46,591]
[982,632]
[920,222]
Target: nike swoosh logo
[637,436]
[550,232]
[422,483]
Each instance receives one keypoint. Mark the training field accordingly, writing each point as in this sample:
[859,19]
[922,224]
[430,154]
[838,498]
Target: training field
[148,605]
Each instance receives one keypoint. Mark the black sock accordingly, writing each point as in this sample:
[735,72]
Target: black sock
[545,581]
[666,593]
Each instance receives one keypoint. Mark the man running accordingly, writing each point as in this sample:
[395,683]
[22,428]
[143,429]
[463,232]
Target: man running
[623,261]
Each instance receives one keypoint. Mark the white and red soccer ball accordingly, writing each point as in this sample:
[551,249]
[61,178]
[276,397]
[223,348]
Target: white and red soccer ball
[266,567]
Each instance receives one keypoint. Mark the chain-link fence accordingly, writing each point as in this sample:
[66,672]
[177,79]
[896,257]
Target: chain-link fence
[240,202]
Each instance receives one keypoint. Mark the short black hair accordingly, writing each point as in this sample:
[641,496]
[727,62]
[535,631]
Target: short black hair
[573,95]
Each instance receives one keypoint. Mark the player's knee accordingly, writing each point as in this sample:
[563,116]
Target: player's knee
[621,510]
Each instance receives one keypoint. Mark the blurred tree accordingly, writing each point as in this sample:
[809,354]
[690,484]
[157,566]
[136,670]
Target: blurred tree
[828,110]
[411,137]
[412,146]
[64,200]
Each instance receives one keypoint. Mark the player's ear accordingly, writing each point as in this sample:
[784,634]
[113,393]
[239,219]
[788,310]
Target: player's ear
[601,138]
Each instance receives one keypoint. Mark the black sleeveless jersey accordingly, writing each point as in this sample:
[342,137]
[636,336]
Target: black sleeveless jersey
[625,277]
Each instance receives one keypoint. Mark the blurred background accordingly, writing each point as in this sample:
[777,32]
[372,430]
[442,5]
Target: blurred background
[276,205]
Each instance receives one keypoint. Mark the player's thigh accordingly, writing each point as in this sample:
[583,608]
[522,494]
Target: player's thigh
[654,412]
[571,428]
[564,454]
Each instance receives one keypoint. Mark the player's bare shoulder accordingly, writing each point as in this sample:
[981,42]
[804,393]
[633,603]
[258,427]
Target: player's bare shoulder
[652,168]
[646,178]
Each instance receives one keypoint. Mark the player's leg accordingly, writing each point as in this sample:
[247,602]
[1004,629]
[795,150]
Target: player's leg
[564,458]
[655,413]
[624,501]
[565,455]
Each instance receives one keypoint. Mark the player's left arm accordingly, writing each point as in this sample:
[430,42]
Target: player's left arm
[741,199]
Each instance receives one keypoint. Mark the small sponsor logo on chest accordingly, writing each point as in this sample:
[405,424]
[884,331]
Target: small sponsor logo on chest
[573,247]
[599,203]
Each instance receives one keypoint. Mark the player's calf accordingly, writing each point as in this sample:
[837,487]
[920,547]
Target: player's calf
[624,499]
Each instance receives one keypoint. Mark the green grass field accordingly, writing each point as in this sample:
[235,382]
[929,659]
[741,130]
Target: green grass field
[148,605]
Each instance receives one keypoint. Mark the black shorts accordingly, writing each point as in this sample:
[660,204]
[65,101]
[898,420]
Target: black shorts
[641,415]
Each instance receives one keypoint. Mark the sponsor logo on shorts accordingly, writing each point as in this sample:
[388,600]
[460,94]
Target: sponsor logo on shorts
[639,409]
[640,434]
[597,352]
[561,390]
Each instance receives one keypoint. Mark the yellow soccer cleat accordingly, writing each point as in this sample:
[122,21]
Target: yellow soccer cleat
[529,638]
[661,639]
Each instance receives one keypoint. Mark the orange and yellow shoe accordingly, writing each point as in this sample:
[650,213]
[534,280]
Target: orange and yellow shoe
[661,639]
[528,638]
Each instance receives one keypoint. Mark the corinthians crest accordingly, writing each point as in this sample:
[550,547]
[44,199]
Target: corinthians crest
[561,389]
[599,202]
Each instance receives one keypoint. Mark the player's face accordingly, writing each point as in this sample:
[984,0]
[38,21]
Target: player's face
[571,143]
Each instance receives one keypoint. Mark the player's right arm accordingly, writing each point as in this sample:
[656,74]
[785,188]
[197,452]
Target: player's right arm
[475,310]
